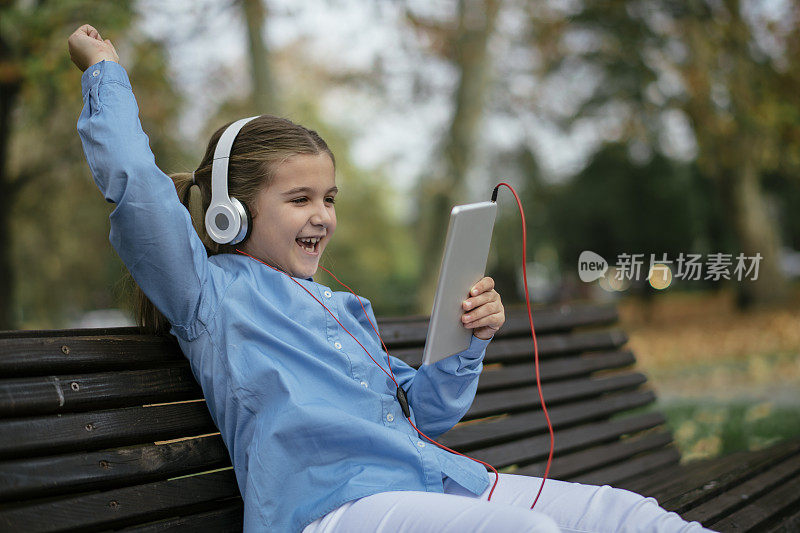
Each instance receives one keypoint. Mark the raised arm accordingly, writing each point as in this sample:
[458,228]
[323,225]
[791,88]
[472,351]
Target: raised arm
[150,229]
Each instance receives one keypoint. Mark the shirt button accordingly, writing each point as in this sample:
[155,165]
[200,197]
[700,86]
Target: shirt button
[337,345]
[420,444]
[365,384]
[95,73]
[389,417]
[327,294]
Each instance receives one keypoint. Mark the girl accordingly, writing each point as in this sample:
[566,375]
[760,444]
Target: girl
[316,435]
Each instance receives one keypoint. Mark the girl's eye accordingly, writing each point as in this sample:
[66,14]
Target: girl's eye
[298,200]
[330,200]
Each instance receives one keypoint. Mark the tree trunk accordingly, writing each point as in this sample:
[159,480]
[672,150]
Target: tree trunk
[475,25]
[263,96]
[9,88]
[757,234]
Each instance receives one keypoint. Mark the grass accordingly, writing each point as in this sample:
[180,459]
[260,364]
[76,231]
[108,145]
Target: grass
[709,429]
[726,380]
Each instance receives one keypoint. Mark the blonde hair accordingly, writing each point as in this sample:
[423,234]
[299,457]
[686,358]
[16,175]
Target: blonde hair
[261,146]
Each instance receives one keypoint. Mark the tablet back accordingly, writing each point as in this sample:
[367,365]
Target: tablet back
[463,264]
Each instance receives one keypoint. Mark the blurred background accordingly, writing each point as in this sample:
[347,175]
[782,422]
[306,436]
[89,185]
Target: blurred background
[641,127]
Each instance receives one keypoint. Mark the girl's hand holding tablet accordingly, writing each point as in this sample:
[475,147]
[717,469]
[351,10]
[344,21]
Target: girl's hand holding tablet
[86,48]
[483,310]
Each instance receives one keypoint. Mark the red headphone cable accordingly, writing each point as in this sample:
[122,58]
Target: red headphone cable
[401,396]
[533,332]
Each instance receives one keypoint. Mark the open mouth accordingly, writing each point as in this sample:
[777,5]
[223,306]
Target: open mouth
[310,245]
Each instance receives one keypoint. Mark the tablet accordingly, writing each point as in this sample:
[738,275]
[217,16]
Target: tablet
[463,264]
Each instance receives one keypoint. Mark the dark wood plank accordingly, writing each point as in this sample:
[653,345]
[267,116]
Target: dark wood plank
[75,332]
[502,377]
[123,507]
[527,398]
[226,519]
[559,318]
[697,481]
[46,435]
[782,502]
[737,496]
[521,350]
[413,330]
[517,350]
[106,469]
[60,354]
[69,393]
[531,449]
[612,475]
[471,435]
[568,467]
[788,524]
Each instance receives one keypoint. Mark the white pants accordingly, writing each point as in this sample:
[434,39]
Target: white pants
[563,506]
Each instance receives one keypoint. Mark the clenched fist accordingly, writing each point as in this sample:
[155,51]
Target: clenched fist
[86,48]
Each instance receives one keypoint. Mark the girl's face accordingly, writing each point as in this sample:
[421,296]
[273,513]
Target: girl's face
[294,217]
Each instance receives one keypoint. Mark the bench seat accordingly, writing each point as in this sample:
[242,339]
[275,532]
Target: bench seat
[107,429]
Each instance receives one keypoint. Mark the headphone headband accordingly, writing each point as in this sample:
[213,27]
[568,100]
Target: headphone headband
[227,221]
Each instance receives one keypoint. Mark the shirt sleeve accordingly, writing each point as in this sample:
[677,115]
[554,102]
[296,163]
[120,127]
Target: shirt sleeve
[150,229]
[441,393]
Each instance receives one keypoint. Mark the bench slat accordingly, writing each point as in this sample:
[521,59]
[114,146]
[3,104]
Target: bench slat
[102,470]
[227,519]
[123,507]
[62,354]
[737,496]
[476,434]
[28,437]
[682,487]
[521,350]
[68,393]
[709,479]
[566,367]
[566,440]
[614,475]
[561,318]
[782,502]
[568,467]
[789,524]
[413,330]
[527,398]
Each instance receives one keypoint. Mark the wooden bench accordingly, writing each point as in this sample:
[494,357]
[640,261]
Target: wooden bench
[107,429]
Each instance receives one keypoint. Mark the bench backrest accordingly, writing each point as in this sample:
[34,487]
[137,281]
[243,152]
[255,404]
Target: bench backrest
[108,428]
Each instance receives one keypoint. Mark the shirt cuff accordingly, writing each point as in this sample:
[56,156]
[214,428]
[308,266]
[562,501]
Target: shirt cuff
[476,348]
[104,71]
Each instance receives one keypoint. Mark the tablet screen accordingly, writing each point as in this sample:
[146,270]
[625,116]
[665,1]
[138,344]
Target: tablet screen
[466,250]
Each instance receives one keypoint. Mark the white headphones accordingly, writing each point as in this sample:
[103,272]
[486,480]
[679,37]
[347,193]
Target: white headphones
[227,219]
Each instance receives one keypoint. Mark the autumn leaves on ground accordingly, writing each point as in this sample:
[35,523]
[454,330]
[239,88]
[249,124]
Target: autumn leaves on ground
[727,380]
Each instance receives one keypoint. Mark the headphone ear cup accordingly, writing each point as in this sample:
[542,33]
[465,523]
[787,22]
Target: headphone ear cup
[245,221]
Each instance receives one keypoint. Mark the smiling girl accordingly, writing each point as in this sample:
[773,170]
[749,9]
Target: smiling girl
[309,416]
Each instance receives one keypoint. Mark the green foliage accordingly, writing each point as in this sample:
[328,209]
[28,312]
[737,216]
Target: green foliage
[615,206]
[707,429]
[63,262]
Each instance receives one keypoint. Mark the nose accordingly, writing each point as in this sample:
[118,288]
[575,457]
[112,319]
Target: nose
[321,216]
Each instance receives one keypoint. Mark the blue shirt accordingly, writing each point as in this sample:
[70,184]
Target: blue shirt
[309,420]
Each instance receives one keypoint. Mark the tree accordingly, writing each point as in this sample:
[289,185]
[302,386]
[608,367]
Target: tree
[466,46]
[54,239]
[263,91]
[703,60]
